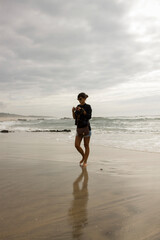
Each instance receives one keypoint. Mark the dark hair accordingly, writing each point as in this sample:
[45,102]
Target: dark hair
[82,95]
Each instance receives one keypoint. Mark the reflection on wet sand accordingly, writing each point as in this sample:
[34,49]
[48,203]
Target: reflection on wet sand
[78,210]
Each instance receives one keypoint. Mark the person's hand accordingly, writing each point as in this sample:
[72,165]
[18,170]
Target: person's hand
[73,109]
[78,108]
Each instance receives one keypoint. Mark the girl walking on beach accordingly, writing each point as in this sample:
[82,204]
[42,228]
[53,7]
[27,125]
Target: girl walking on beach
[82,113]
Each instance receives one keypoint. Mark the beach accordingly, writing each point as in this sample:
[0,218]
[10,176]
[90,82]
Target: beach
[45,194]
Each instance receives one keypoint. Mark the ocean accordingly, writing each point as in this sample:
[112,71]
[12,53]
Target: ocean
[141,133]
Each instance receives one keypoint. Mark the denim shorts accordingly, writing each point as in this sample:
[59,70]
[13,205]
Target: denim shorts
[89,135]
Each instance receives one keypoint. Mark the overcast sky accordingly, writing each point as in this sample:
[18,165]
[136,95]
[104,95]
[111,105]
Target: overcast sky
[50,50]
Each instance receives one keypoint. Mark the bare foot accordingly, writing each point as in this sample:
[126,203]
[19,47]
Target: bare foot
[81,161]
[84,164]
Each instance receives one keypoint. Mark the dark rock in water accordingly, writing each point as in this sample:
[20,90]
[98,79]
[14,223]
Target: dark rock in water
[66,130]
[4,131]
[22,119]
[65,118]
[52,130]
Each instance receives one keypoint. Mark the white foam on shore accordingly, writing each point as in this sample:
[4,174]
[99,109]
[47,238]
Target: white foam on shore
[138,133]
[7,125]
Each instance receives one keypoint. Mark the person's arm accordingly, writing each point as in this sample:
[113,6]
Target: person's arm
[73,112]
[88,112]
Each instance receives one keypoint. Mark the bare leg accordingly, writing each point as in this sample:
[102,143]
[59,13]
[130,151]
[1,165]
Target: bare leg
[87,150]
[78,140]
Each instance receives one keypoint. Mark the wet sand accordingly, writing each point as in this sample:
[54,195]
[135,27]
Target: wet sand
[44,194]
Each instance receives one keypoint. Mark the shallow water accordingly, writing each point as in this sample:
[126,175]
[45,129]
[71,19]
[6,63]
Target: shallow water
[136,133]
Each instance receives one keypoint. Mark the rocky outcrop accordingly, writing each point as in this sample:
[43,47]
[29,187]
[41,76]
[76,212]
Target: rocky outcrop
[51,130]
[5,131]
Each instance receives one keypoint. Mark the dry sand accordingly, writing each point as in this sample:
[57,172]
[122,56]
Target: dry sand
[44,194]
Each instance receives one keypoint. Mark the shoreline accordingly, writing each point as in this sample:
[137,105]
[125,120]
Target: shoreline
[133,135]
[52,133]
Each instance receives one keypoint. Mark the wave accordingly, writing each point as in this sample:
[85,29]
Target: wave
[133,118]
[137,124]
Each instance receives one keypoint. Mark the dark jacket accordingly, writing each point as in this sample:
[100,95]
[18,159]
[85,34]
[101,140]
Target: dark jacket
[81,119]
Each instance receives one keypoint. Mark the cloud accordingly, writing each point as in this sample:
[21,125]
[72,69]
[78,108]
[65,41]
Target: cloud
[2,105]
[51,47]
